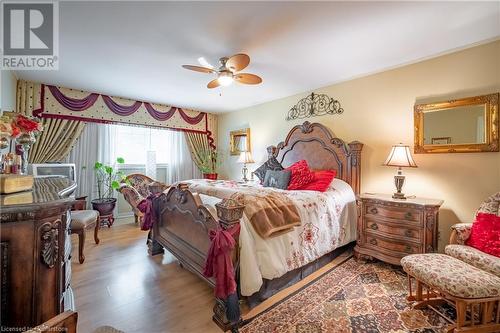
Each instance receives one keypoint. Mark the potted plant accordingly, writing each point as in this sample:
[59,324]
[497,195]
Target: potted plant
[209,162]
[108,179]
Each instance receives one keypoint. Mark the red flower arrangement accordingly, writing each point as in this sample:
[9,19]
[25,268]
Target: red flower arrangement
[27,125]
[17,125]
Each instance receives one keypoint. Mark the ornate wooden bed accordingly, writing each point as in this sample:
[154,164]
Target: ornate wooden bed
[183,222]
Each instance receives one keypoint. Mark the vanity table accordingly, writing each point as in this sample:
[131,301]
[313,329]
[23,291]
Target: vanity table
[35,253]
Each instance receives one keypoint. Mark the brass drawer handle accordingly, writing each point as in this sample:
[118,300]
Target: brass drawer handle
[409,249]
[374,226]
[374,210]
[373,241]
[408,233]
[408,215]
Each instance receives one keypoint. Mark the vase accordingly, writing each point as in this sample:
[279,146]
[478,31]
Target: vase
[211,176]
[4,143]
[25,141]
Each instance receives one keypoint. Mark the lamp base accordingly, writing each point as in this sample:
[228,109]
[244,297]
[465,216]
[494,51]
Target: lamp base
[244,171]
[399,180]
[400,196]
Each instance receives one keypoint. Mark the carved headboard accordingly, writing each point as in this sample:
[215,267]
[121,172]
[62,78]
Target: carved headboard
[315,143]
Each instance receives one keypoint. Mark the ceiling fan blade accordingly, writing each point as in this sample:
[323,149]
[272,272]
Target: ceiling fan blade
[202,61]
[238,62]
[199,69]
[247,78]
[213,84]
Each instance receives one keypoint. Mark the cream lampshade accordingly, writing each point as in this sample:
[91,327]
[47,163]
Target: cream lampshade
[400,156]
[245,158]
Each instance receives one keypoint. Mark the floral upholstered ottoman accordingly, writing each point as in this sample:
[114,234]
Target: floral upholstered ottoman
[446,279]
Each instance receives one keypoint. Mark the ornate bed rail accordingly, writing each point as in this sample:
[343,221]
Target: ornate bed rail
[183,228]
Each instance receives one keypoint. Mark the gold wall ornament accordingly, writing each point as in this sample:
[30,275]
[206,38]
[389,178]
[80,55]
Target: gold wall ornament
[314,105]
[464,125]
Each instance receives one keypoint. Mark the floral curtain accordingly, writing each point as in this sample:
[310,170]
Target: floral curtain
[198,146]
[58,136]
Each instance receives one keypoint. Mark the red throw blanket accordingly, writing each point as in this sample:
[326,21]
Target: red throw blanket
[219,263]
[146,207]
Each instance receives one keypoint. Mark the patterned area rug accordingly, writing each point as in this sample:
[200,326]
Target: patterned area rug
[353,297]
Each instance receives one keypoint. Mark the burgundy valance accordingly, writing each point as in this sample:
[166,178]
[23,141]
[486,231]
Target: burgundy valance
[65,103]
[73,104]
[120,109]
[161,116]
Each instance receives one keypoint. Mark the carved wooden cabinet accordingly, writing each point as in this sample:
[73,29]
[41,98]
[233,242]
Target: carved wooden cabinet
[35,253]
[389,229]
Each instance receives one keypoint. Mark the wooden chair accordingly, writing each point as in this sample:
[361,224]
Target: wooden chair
[138,190]
[64,322]
[81,220]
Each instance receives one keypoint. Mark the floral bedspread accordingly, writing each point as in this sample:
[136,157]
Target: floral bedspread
[328,221]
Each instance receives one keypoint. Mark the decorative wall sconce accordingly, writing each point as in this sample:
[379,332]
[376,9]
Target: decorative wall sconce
[314,105]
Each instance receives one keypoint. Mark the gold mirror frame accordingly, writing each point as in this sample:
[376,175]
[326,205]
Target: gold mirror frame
[243,132]
[491,127]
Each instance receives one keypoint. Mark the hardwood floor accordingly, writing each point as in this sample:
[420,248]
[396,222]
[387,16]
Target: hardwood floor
[121,286]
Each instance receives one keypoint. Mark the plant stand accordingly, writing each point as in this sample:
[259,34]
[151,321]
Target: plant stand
[107,220]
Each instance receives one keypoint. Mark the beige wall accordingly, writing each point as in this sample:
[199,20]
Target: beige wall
[7,90]
[379,113]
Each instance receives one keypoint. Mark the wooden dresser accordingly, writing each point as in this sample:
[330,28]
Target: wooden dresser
[35,254]
[389,229]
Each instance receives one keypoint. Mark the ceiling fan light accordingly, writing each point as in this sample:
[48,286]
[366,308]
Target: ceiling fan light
[225,80]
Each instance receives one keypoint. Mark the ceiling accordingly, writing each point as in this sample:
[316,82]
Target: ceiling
[136,49]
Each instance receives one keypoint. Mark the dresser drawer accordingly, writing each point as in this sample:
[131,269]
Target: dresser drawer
[393,230]
[395,213]
[385,245]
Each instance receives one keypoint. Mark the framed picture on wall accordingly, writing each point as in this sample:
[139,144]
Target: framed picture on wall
[441,141]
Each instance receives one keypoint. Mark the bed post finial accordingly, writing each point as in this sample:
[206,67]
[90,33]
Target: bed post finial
[354,165]
[229,212]
[272,151]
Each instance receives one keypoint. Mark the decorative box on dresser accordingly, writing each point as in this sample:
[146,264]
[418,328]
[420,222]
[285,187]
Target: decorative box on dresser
[35,253]
[389,229]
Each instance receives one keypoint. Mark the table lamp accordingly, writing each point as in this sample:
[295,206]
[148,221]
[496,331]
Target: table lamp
[245,157]
[400,156]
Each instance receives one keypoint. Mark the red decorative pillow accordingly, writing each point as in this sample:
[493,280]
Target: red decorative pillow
[301,175]
[321,182]
[485,234]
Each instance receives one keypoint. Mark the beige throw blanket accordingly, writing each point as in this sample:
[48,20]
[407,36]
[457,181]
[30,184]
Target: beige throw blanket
[271,213]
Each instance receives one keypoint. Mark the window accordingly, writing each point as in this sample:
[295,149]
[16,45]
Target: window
[132,143]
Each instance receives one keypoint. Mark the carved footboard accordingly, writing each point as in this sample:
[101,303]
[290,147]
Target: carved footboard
[182,227]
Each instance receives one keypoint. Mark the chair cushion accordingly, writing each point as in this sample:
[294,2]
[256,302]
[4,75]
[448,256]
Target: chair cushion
[451,275]
[474,257]
[462,231]
[491,205]
[140,183]
[82,218]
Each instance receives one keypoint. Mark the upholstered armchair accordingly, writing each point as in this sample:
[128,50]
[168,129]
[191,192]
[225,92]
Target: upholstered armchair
[137,187]
[461,232]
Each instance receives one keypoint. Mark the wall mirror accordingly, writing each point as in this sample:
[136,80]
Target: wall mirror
[239,141]
[457,126]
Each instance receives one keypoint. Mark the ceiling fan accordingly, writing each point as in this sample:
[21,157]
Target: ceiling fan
[227,72]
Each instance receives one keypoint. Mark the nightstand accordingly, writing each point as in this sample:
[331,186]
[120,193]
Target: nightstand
[389,229]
